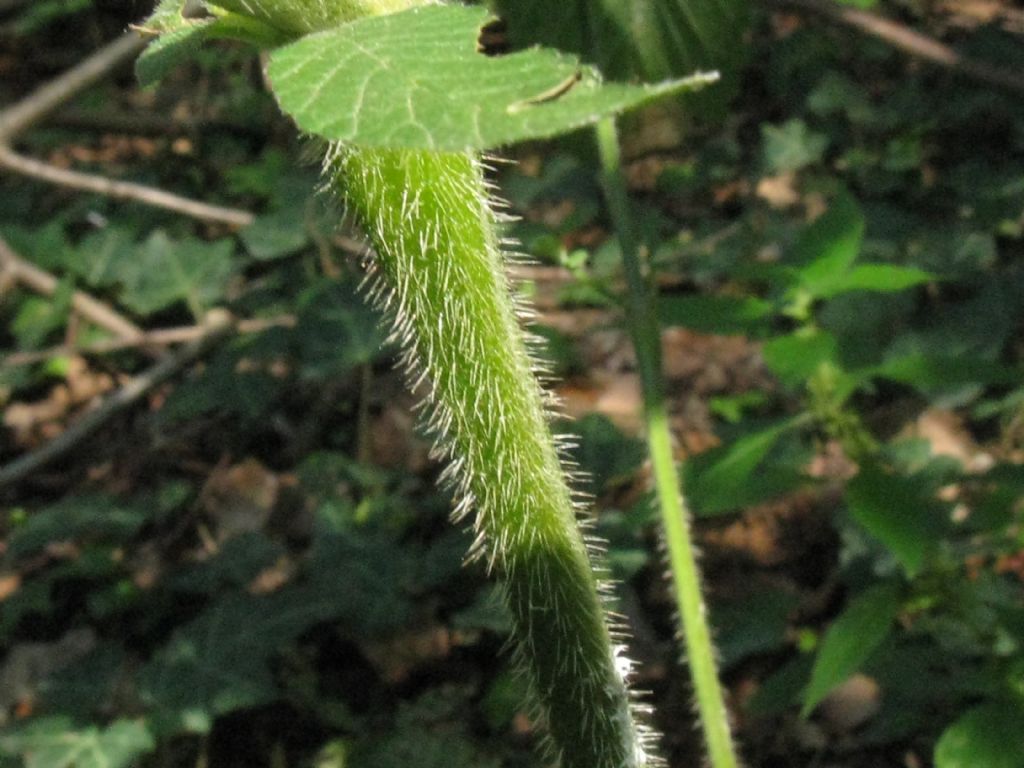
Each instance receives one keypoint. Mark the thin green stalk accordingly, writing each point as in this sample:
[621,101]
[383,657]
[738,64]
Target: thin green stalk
[643,325]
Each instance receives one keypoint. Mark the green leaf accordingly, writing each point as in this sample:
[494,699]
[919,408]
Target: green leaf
[180,36]
[170,49]
[32,598]
[715,314]
[603,453]
[851,639]
[223,389]
[221,661]
[877,277]
[79,517]
[166,271]
[895,511]
[930,374]
[86,688]
[336,330]
[218,663]
[54,742]
[781,689]
[726,478]
[791,146]
[794,358]
[754,623]
[418,745]
[987,736]
[649,40]
[829,246]
[239,560]
[37,318]
[276,234]
[100,255]
[168,16]
[416,80]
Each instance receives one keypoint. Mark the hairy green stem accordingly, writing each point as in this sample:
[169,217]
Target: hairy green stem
[439,273]
[643,325]
[441,276]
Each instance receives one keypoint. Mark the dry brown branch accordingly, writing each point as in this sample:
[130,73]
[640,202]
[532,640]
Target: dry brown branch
[122,190]
[20,116]
[17,117]
[44,283]
[217,325]
[909,41]
[161,337]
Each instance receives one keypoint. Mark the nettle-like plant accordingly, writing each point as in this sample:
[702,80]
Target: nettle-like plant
[405,100]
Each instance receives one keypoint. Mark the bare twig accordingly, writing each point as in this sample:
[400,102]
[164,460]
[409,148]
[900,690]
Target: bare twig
[18,117]
[909,41]
[159,338]
[90,308]
[218,324]
[123,190]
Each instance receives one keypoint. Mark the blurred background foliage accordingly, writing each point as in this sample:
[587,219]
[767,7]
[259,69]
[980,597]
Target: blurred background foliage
[254,567]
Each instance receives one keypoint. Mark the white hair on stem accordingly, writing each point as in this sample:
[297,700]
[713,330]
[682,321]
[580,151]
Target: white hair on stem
[438,273]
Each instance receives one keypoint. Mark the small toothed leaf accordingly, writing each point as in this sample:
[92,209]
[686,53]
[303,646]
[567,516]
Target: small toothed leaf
[168,16]
[169,50]
[179,36]
[417,80]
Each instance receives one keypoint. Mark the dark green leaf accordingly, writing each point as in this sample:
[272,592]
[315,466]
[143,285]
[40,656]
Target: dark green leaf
[275,235]
[715,314]
[166,271]
[87,687]
[101,255]
[417,745]
[218,663]
[79,517]
[733,476]
[934,373]
[987,736]
[652,40]
[337,330]
[851,639]
[238,562]
[603,452]
[782,688]
[487,612]
[754,623]
[895,511]
[224,389]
